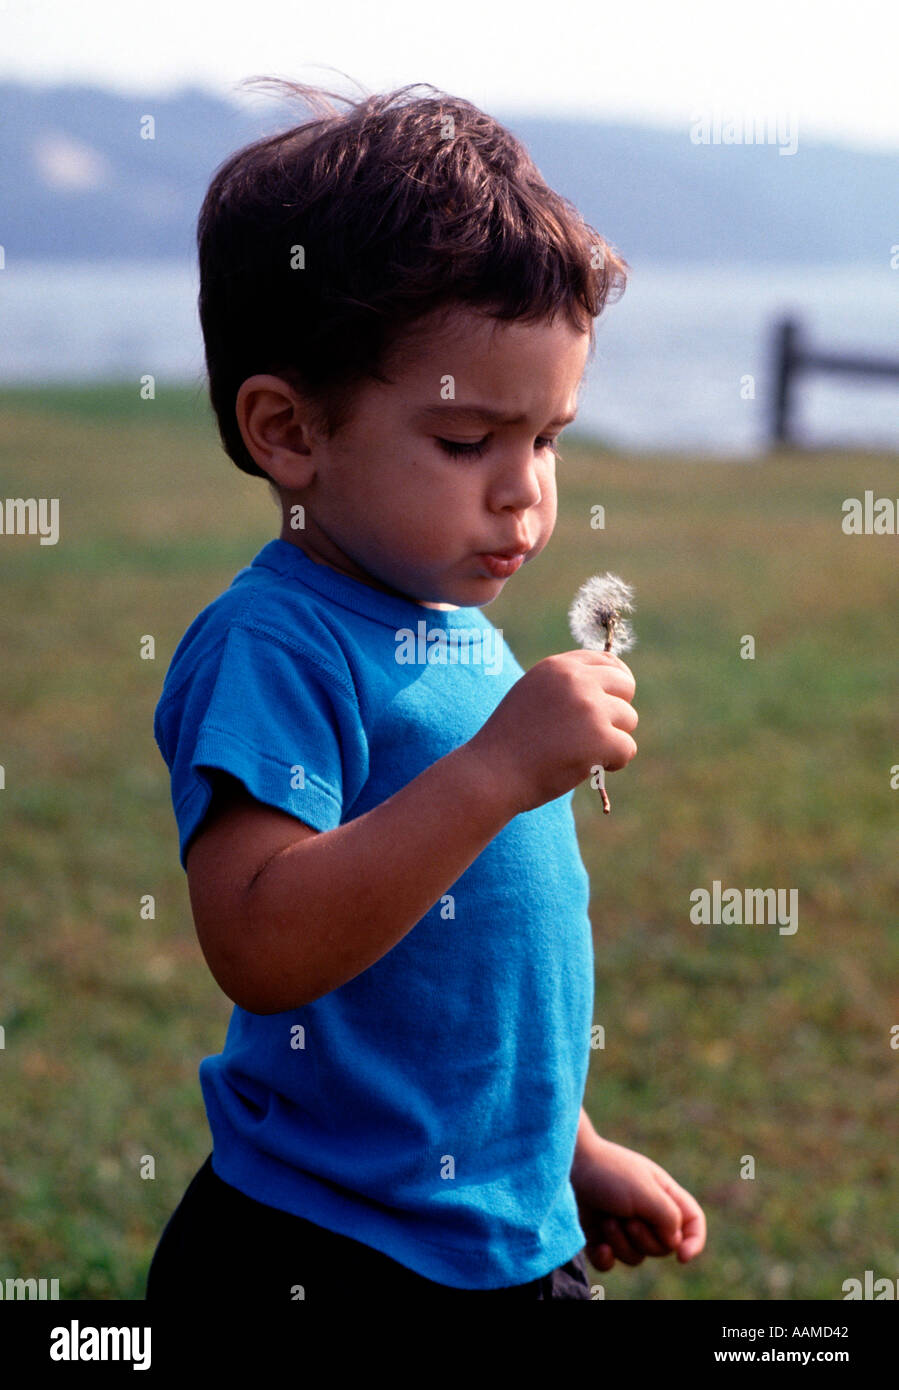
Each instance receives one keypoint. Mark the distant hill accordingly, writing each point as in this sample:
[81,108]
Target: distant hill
[77,182]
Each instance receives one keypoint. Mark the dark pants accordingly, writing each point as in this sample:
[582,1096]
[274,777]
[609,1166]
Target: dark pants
[221,1244]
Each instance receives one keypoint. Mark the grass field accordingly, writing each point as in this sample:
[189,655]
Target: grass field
[720,1041]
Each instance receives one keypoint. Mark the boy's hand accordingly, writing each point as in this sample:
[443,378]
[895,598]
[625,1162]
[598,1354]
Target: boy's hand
[566,715]
[629,1208]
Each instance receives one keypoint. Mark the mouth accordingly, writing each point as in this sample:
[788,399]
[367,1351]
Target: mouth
[501,563]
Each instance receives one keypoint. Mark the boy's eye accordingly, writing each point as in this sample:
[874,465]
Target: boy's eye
[475,450]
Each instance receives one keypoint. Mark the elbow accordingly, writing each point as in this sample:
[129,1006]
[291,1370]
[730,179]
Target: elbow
[263,999]
[255,995]
[255,988]
[251,1000]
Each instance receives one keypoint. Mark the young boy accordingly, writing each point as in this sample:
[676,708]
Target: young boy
[373,799]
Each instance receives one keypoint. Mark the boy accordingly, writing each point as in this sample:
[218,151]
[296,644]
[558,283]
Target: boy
[373,799]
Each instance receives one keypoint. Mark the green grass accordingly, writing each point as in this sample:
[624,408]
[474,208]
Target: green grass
[775,772]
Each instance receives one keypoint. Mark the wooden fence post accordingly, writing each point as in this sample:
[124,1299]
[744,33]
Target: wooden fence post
[791,357]
[786,354]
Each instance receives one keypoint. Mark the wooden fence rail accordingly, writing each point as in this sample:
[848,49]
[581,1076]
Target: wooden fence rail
[791,358]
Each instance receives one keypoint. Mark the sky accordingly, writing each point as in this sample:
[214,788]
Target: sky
[828,67]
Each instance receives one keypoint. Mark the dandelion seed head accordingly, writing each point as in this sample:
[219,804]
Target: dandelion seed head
[597,608]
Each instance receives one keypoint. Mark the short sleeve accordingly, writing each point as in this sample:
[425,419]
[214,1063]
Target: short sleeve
[277,717]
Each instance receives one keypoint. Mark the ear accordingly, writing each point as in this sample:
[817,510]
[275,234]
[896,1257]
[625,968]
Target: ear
[276,426]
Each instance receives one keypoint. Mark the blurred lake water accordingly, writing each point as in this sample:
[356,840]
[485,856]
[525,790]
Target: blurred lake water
[670,370]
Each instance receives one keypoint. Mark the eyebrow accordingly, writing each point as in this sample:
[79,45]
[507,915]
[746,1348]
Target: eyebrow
[483,412]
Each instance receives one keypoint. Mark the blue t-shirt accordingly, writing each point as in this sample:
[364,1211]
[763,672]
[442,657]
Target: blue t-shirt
[429,1107]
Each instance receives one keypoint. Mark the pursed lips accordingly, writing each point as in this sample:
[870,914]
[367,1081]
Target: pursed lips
[508,553]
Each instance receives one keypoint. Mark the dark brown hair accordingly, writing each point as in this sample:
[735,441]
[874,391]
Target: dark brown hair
[321,246]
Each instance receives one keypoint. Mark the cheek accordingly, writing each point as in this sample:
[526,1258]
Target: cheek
[432,485]
[549,502]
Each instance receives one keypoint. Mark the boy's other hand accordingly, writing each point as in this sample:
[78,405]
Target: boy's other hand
[629,1208]
[566,715]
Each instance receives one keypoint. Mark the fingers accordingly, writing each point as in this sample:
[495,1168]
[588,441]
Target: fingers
[601,1256]
[645,1238]
[614,1236]
[619,748]
[629,1241]
[600,658]
[694,1236]
[620,751]
[694,1226]
[618,679]
[623,714]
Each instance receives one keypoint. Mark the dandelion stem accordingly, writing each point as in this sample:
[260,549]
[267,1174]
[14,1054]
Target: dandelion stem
[601,783]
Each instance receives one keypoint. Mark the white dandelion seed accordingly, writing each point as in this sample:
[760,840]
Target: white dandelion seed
[596,623]
[595,615]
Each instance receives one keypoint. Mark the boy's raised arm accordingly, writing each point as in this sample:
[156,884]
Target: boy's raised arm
[285,914]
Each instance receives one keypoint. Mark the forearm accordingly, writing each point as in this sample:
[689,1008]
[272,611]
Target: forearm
[327,908]
[587,1143]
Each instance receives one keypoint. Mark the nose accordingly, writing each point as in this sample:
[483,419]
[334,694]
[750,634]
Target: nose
[516,483]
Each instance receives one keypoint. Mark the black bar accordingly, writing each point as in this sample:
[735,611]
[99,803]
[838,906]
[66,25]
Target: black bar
[866,366]
[785,362]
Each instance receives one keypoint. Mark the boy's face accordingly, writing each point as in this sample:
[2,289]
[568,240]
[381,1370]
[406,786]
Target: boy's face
[387,503]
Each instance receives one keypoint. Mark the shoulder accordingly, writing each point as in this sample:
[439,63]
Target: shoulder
[255,625]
